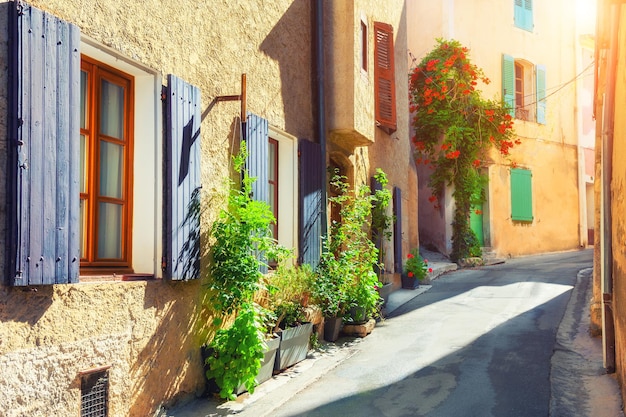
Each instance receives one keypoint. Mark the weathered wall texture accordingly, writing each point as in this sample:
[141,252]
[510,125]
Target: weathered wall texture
[618,207]
[150,332]
[548,150]
[351,108]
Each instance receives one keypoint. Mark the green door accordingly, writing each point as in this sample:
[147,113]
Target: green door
[476,222]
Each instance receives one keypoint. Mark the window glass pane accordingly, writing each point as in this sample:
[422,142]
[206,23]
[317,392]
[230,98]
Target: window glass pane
[83,164]
[83,226]
[112,110]
[109,231]
[83,99]
[272,160]
[111,166]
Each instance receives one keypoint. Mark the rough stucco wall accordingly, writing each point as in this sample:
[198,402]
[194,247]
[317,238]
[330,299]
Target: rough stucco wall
[618,207]
[391,153]
[150,332]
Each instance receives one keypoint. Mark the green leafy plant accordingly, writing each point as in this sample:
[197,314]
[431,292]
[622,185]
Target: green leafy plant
[236,352]
[455,130]
[349,255]
[242,236]
[381,220]
[289,289]
[415,266]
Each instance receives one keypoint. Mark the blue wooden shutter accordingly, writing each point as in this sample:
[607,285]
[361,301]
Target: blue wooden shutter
[44,142]
[397,229]
[257,141]
[508,83]
[540,74]
[257,164]
[182,159]
[523,14]
[521,195]
[311,180]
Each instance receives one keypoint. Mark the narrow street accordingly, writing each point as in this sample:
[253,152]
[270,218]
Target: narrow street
[479,342]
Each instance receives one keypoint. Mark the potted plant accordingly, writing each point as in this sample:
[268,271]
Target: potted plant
[329,291]
[350,255]
[234,356]
[415,270]
[289,290]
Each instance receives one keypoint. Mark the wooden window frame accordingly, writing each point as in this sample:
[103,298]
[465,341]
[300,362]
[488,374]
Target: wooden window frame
[90,264]
[273,143]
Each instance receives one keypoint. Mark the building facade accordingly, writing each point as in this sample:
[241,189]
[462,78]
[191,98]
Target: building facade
[535,197]
[117,126]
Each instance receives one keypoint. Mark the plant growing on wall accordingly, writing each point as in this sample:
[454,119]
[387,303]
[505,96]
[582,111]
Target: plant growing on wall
[349,255]
[455,129]
[381,220]
[242,234]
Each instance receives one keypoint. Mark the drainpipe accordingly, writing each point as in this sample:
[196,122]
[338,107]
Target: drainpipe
[608,119]
[321,107]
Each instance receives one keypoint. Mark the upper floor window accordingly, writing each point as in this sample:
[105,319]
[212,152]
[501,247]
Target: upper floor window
[384,77]
[523,14]
[524,89]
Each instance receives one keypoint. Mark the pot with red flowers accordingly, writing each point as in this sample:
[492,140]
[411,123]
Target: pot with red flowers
[415,270]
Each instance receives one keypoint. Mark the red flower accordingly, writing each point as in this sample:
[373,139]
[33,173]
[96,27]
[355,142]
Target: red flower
[445,147]
[409,256]
[410,274]
[476,163]
[430,270]
[478,212]
[432,198]
[425,261]
[489,112]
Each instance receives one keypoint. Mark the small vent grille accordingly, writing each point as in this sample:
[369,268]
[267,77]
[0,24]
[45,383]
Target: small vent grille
[95,394]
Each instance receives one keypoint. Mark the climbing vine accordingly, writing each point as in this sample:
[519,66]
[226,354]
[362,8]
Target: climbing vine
[455,129]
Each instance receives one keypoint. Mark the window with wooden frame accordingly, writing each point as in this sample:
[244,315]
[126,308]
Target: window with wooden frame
[384,77]
[106,146]
[272,182]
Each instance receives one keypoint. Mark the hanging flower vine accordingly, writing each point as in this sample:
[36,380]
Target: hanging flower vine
[455,129]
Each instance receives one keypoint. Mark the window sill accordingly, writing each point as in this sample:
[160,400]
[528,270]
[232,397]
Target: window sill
[117,278]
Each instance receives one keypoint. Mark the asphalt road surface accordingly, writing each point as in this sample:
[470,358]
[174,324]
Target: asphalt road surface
[478,343]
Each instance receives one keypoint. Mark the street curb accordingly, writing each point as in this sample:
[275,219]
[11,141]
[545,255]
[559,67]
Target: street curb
[579,383]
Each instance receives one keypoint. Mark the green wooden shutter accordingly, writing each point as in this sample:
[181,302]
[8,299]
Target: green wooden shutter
[508,82]
[521,195]
[182,157]
[43,142]
[540,74]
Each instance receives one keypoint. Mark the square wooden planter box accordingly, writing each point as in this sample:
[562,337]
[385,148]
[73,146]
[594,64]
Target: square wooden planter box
[294,346]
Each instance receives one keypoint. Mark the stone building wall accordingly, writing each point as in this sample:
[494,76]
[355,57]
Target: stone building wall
[149,332]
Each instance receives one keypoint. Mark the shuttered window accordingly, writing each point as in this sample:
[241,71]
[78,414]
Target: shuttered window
[523,14]
[43,141]
[384,77]
[521,195]
[182,180]
[540,72]
[508,83]
[311,180]
[106,144]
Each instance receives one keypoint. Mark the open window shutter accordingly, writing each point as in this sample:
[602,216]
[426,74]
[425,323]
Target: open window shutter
[182,156]
[528,18]
[521,195]
[523,14]
[397,229]
[384,77]
[310,183]
[540,74]
[508,83]
[257,141]
[43,134]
